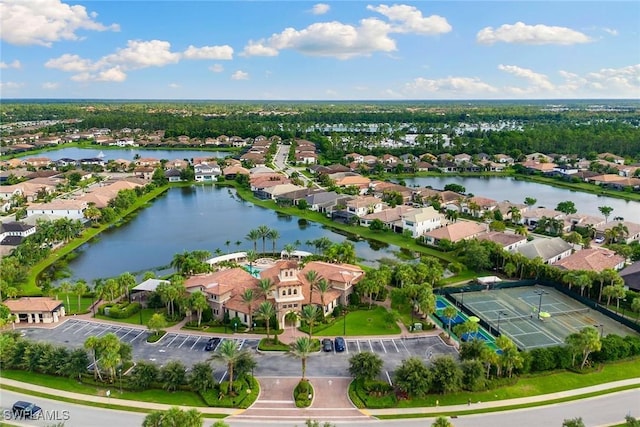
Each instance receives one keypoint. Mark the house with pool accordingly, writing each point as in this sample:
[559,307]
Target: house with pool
[291,289]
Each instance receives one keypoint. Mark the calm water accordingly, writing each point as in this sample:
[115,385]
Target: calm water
[198,217]
[515,191]
[127,154]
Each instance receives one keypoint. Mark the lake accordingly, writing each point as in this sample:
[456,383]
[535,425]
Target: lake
[126,153]
[508,188]
[198,217]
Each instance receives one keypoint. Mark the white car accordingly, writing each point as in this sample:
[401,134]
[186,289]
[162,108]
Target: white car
[599,239]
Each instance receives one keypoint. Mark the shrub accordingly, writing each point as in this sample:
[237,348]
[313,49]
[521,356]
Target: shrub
[377,388]
[122,311]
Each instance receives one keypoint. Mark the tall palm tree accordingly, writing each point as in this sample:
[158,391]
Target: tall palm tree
[249,297]
[515,214]
[93,344]
[80,288]
[266,312]
[309,314]
[312,277]
[253,236]
[229,353]
[302,348]
[65,288]
[266,286]
[449,313]
[252,256]
[322,286]
[273,235]
[263,232]
[289,249]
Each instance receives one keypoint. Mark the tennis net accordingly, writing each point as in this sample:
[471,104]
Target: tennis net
[534,315]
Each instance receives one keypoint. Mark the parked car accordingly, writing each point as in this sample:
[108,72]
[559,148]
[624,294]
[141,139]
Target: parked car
[327,345]
[211,344]
[25,410]
[340,345]
[599,240]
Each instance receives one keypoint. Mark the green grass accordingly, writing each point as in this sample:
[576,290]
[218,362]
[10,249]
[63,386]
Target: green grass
[269,345]
[362,322]
[85,303]
[134,319]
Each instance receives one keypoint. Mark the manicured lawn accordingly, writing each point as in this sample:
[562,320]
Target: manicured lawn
[135,318]
[85,303]
[362,322]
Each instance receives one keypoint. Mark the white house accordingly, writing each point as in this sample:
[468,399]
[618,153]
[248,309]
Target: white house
[72,209]
[422,220]
[207,172]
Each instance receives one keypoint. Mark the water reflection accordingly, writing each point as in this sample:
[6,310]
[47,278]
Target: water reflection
[198,217]
[128,154]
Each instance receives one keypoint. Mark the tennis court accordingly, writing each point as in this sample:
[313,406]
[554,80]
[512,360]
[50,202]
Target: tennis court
[535,316]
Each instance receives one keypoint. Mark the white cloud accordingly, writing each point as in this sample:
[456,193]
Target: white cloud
[453,86]
[329,39]
[174,85]
[14,64]
[114,74]
[240,75]
[209,52]
[70,63]
[142,54]
[50,85]
[258,49]
[625,80]
[217,68]
[10,85]
[410,19]
[42,22]
[320,9]
[531,34]
[610,31]
[539,81]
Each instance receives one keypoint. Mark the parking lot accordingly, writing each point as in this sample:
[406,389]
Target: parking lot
[190,349]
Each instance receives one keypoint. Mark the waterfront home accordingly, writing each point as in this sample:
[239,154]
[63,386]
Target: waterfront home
[477,206]
[503,158]
[631,233]
[455,232]
[293,197]
[509,241]
[349,179]
[536,166]
[325,201]
[12,233]
[173,175]
[421,220]
[37,162]
[550,250]
[631,276]
[71,209]
[362,205]
[276,191]
[391,217]
[36,309]
[531,217]
[582,220]
[232,171]
[594,259]
[141,292]
[100,196]
[505,207]
[207,172]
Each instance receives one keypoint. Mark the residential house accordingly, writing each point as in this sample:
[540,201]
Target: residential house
[477,206]
[631,276]
[36,309]
[325,201]
[593,259]
[391,217]
[632,228]
[549,250]
[207,172]
[611,158]
[503,158]
[509,241]
[421,220]
[455,232]
[173,175]
[72,209]
[12,233]
[531,217]
[363,205]
[232,171]
[276,191]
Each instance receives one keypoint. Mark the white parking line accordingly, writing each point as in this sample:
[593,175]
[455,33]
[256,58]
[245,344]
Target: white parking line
[136,337]
[388,378]
[71,324]
[241,344]
[104,331]
[222,378]
[171,342]
[382,344]
[370,345]
[219,342]
[394,344]
[128,332]
[94,328]
[194,344]
[358,342]
[185,340]
[81,328]
[405,347]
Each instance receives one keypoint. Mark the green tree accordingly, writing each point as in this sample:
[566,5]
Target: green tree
[567,207]
[273,235]
[253,236]
[144,375]
[80,288]
[449,313]
[266,287]
[606,212]
[365,366]
[265,312]
[229,353]
[584,343]
[446,375]
[157,323]
[263,232]
[309,315]
[198,302]
[65,288]
[573,422]
[476,256]
[173,375]
[413,377]
[530,201]
[200,377]
[301,348]
[249,297]
[441,422]
[174,417]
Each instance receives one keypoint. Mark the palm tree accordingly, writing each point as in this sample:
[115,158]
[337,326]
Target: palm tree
[322,286]
[515,214]
[93,344]
[229,353]
[620,231]
[273,235]
[253,236]
[530,201]
[606,212]
[289,249]
[252,256]
[266,286]
[263,232]
[449,313]
[65,288]
[302,348]
[312,277]
[266,312]
[309,314]
[80,288]
[198,302]
[441,422]
[249,297]
[292,318]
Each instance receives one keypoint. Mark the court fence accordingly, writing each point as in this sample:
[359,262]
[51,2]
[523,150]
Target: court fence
[447,292]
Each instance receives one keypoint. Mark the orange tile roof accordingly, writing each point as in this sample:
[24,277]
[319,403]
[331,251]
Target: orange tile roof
[32,304]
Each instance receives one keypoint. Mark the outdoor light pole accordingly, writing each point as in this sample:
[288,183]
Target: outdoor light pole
[344,321]
[462,297]
[500,314]
[601,326]
[225,323]
[120,373]
[541,293]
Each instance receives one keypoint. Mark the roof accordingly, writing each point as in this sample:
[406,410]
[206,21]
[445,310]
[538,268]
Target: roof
[220,282]
[422,214]
[544,248]
[503,239]
[149,285]
[631,275]
[590,259]
[457,231]
[32,304]
[15,226]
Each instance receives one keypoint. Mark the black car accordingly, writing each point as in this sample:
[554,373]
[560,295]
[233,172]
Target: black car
[327,345]
[211,344]
[340,344]
[27,410]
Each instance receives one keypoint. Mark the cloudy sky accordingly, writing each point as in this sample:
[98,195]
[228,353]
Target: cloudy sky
[301,50]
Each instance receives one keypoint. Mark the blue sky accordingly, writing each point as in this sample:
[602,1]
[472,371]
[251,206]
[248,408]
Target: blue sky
[301,50]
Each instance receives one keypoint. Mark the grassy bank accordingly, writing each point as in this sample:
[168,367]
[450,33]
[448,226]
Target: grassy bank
[583,187]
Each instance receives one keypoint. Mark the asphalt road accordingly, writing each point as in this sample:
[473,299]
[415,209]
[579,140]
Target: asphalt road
[598,411]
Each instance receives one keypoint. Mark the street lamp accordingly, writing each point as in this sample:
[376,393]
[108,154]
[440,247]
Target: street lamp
[540,292]
[462,298]
[223,321]
[139,311]
[120,373]
[344,320]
